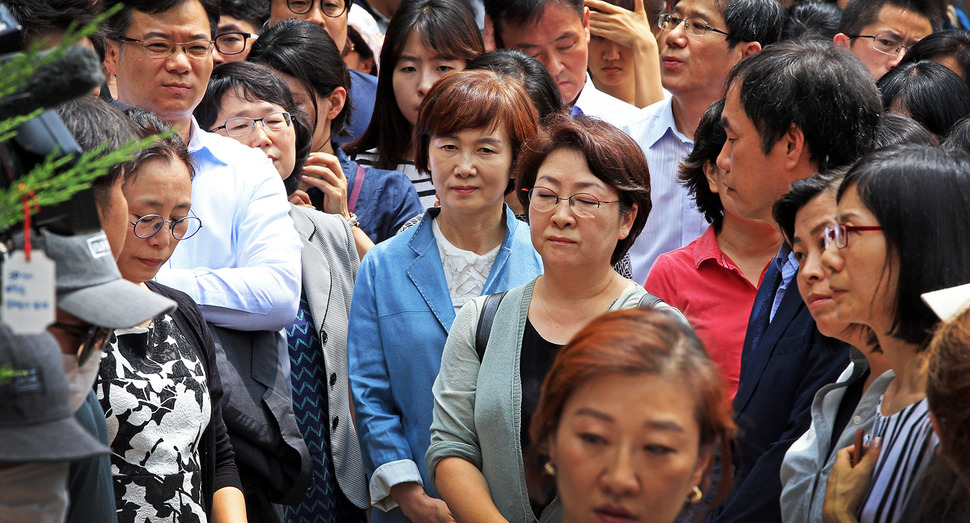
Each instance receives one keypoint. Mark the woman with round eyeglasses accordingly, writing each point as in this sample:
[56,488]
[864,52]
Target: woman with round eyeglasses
[894,240]
[158,382]
[586,188]
[256,108]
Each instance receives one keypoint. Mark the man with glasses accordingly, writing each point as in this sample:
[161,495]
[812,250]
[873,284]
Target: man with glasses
[880,32]
[556,32]
[240,22]
[822,113]
[700,41]
[332,15]
[243,267]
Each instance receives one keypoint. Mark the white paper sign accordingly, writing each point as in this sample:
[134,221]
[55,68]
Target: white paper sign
[28,292]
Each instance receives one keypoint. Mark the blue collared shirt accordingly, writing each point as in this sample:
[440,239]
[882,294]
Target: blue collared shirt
[243,266]
[788,266]
[674,220]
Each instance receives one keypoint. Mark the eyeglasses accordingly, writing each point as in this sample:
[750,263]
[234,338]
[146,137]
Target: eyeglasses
[839,235]
[693,26]
[330,8]
[92,338]
[161,48]
[243,125]
[182,229]
[583,204]
[233,42]
[884,44]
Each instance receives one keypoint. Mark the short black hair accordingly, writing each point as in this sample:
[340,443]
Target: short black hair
[860,13]
[534,77]
[147,123]
[823,90]
[895,128]
[753,21]
[933,95]
[306,52]
[519,12]
[959,137]
[811,20]
[921,198]
[799,194]
[709,138]
[93,121]
[119,23]
[954,44]
[257,83]
[40,17]
[255,12]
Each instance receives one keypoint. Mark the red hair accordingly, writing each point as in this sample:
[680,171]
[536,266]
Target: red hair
[634,342]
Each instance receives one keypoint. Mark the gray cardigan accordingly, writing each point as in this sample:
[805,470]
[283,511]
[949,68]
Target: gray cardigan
[484,428]
[809,460]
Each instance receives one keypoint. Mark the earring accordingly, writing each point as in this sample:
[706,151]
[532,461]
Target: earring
[550,468]
[695,495]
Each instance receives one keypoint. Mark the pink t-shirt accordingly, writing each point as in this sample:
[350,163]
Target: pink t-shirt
[709,288]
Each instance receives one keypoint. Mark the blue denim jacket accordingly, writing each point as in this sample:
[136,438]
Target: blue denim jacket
[399,320]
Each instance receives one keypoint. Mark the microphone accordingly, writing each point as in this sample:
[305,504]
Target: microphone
[75,74]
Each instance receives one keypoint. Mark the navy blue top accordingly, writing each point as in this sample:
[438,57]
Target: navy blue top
[363,92]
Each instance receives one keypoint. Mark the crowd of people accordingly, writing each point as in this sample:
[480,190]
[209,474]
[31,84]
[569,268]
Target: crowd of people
[505,260]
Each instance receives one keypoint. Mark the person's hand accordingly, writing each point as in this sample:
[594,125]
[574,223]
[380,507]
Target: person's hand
[300,198]
[420,507]
[323,171]
[614,23]
[846,485]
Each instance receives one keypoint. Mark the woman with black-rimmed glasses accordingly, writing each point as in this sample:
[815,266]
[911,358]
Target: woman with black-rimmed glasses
[158,382]
[586,188]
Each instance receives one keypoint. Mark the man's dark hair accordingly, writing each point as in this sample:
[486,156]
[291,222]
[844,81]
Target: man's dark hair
[860,13]
[519,12]
[811,20]
[40,17]
[823,90]
[895,129]
[752,21]
[117,26]
[255,12]
[933,95]
[534,77]
[709,138]
[93,122]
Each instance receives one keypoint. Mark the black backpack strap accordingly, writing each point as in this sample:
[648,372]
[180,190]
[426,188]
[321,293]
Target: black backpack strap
[485,320]
[649,301]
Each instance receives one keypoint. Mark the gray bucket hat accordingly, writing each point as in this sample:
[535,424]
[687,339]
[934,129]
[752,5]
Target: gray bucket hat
[36,422]
[90,287]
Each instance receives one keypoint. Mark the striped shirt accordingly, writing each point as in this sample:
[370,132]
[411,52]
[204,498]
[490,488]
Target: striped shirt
[421,181]
[908,447]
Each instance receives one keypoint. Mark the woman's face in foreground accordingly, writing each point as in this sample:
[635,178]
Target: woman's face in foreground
[627,448]
[161,186]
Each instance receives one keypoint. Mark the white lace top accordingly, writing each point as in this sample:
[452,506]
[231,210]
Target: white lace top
[465,271]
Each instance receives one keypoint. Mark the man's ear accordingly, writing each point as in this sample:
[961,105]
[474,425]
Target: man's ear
[112,54]
[842,40]
[750,48]
[337,100]
[586,22]
[795,146]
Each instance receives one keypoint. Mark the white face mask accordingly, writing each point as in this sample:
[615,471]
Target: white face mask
[34,492]
[81,379]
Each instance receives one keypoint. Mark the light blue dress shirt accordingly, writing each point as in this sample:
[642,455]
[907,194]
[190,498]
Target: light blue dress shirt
[243,266]
[674,220]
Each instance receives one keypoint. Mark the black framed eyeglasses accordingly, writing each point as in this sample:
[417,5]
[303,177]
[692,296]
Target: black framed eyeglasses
[243,125]
[161,48]
[182,229]
[693,26]
[583,204]
[839,234]
[885,44]
[330,8]
[233,42]
[92,338]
